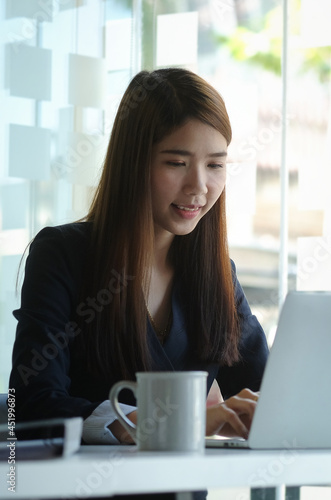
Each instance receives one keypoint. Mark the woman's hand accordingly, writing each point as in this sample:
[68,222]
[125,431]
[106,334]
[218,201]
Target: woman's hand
[117,429]
[234,416]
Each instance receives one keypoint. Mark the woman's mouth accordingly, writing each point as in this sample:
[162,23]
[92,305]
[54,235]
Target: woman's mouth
[190,208]
[187,211]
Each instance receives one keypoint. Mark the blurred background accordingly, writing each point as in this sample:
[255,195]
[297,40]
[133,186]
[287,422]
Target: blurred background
[64,65]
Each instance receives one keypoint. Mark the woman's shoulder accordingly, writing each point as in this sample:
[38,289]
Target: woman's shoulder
[69,243]
[72,234]
[72,230]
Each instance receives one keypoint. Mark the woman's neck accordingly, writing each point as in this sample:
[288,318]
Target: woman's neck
[160,288]
[162,244]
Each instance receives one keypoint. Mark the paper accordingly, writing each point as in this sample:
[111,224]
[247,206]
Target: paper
[29,152]
[29,71]
[87,81]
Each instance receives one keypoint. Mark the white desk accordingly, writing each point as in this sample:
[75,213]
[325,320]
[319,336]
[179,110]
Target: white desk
[108,470]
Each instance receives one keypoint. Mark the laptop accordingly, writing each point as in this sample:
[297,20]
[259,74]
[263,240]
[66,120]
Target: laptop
[294,406]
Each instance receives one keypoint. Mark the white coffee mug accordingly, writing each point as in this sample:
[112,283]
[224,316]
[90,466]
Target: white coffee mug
[171,410]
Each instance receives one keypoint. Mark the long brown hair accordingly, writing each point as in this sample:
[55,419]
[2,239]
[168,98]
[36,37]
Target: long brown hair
[154,104]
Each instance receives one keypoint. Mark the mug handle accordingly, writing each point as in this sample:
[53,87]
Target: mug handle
[113,397]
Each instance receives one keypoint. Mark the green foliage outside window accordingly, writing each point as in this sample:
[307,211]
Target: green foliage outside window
[263,47]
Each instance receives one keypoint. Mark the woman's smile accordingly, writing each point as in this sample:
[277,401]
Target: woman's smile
[187,212]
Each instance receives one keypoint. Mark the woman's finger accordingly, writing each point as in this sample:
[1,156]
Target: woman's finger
[234,416]
[242,405]
[248,394]
[222,415]
[236,423]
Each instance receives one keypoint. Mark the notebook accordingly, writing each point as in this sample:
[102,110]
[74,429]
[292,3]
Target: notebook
[41,439]
[294,406]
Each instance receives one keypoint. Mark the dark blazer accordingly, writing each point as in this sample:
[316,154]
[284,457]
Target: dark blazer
[48,375]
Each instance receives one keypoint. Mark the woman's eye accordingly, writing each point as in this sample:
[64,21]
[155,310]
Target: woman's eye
[216,165]
[176,163]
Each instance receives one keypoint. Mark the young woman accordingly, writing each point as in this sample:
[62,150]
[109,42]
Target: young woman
[145,282]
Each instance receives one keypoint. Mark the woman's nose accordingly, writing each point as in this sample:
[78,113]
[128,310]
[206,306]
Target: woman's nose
[196,181]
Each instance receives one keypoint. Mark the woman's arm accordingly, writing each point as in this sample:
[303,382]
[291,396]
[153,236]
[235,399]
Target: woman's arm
[46,328]
[118,431]
[253,348]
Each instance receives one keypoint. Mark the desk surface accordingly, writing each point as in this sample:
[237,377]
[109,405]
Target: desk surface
[108,470]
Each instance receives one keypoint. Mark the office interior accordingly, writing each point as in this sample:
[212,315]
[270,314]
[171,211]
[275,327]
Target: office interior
[64,65]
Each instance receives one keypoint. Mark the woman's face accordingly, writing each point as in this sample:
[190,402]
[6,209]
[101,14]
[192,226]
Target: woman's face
[188,174]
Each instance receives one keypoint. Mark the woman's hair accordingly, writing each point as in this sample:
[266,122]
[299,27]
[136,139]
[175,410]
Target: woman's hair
[154,105]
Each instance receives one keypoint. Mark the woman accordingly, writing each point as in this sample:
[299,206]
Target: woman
[145,281]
